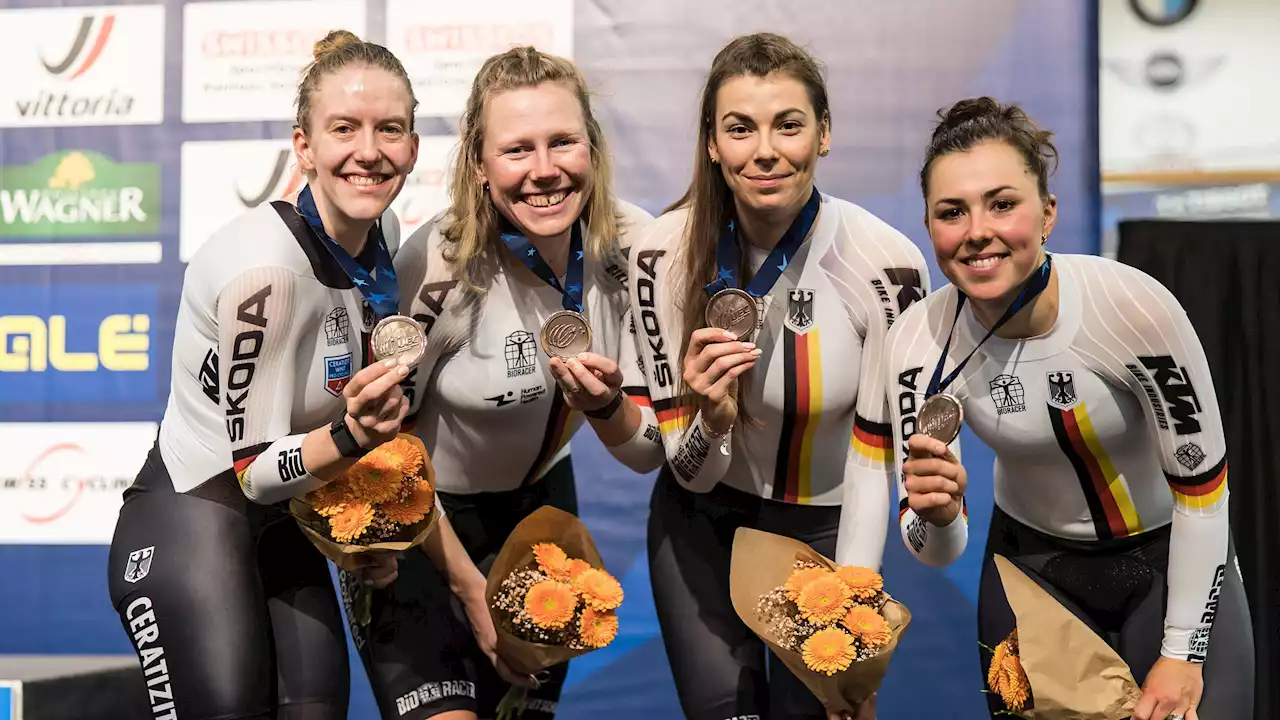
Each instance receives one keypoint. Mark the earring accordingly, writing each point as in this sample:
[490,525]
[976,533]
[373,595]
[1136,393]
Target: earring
[715,161]
[1044,238]
[823,152]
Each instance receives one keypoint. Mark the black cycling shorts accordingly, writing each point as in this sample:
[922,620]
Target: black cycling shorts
[719,664]
[418,649]
[1117,588]
[230,608]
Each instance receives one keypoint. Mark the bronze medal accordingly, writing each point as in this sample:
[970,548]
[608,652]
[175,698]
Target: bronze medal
[398,337]
[566,334]
[940,418]
[735,311]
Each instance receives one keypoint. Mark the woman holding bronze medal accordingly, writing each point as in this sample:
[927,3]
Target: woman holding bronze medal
[529,263]
[230,607]
[1087,379]
[764,305]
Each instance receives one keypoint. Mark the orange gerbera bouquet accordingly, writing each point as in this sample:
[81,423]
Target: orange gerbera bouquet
[386,501]
[1052,666]
[550,597]
[833,626]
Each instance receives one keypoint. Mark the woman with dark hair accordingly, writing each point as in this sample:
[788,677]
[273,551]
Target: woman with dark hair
[761,307]
[1089,382]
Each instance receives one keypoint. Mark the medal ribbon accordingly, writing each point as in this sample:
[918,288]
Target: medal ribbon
[1036,285]
[571,291]
[379,288]
[778,260]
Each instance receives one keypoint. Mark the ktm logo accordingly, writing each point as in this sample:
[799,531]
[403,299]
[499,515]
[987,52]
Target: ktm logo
[277,174]
[78,58]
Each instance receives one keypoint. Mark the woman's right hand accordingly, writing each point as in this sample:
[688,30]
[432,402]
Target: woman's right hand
[375,403]
[935,480]
[712,365]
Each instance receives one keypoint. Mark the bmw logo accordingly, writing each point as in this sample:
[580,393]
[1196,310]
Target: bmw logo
[1163,13]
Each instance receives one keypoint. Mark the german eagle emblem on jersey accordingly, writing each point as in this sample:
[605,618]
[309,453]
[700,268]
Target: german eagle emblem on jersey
[799,310]
[1062,389]
[139,564]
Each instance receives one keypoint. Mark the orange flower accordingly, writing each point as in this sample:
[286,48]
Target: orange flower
[1006,677]
[597,629]
[413,508]
[552,560]
[550,604]
[577,567]
[328,499]
[598,589]
[373,480]
[351,522]
[864,582]
[828,651]
[802,577]
[824,600]
[400,454]
[867,626]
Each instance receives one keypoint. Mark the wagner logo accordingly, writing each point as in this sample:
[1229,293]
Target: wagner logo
[66,66]
[82,344]
[79,193]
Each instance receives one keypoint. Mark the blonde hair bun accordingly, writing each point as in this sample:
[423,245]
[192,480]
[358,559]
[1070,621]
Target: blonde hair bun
[333,42]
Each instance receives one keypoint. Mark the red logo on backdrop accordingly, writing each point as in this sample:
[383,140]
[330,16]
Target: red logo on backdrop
[78,58]
[30,474]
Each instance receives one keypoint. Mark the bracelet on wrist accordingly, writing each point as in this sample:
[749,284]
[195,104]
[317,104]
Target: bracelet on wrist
[607,411]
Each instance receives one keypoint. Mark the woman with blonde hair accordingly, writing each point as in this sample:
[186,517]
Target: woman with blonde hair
[526,274]
[230,608]
[764,304]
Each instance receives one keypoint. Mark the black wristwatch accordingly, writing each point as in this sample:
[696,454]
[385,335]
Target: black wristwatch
[607,411]
[345,441]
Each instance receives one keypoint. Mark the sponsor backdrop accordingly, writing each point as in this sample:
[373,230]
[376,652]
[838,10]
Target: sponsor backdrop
[1184,134]
[130,132]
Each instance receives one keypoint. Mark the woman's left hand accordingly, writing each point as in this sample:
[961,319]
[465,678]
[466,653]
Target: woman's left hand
[1172,689]
[588,381]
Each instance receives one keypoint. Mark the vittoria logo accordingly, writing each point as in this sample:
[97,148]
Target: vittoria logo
[273,188]
[521,354]
[336,327]
[65,66]
[139,564]
[1062,389]
[799,310]
[337,373]
[1190,456]
[1008,394]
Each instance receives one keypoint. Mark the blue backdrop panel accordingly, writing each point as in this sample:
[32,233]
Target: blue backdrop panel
[891,66]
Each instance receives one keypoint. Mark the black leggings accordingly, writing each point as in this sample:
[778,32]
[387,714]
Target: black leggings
[418,649]
[229,606]
[1118,589]
[719,664]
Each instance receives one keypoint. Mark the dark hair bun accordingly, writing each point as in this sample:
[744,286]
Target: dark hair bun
[981,119]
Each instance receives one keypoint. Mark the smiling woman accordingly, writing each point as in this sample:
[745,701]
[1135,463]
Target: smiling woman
[532,251]
[776,297]
[271,399]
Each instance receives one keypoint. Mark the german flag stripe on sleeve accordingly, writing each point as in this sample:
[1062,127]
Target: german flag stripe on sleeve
[873,440]
[1201,491]
[244,457]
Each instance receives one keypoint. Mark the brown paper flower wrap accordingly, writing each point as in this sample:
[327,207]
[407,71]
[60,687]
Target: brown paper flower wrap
[550,597]
[386,501]
[771,577]
[1053,667]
